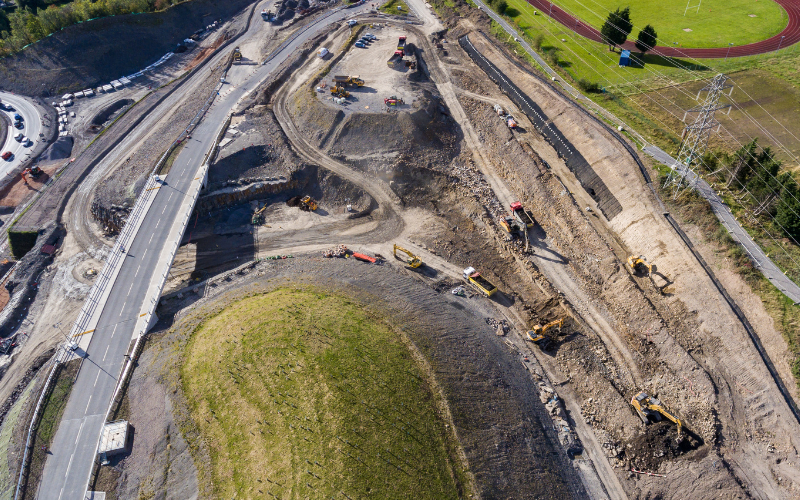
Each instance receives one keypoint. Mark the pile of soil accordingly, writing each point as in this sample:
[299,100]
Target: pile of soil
[60,149]
[91,53]
[660,442]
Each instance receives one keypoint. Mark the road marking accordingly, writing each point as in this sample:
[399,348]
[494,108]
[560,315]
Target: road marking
[114,330]
[145,250]
[104,358]
[151,240]
[129,291]
[98,373]
[137,271]
[84,411]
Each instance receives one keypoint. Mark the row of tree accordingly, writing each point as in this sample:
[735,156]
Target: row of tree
[765,188]
[33,20]
[618,26]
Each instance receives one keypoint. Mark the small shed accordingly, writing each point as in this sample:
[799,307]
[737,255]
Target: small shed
[114,439]
[625,58]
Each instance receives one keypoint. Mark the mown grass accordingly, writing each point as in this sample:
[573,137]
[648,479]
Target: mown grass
[302,394]
[715,24]
[391,7]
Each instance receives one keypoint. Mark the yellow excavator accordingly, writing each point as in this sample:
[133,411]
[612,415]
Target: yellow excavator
[258,216]
[413,261]
[537,334]
[649,407]
[639,264]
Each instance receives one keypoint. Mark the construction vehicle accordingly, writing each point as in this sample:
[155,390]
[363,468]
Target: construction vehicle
[401,43]
[393,101]
[342,80]
[639,265]
[308,204]
[413,261]
[499,110]
[537,334]
[258,216]
[510,121]
[525,217]
[339,91]
[473,277]
[396,57]
[649,408]
[237,54]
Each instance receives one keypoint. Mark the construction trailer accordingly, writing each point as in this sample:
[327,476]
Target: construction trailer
[482,284]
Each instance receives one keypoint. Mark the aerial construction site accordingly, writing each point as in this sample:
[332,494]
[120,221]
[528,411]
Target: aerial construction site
[326,250]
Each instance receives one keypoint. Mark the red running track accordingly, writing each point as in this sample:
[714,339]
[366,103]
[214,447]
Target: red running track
[790,34]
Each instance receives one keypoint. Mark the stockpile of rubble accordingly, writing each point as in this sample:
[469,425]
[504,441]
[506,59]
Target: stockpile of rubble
[337,251]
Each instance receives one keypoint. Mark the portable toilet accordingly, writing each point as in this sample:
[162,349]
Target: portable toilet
[625,58]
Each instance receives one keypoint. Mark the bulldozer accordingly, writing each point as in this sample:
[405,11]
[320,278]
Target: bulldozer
[537,334]
[413,261]
[258,216]
[339,91]
[649,408]
[308,204]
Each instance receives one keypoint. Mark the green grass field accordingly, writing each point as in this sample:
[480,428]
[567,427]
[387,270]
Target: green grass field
[715,24]
[301,394]
[391,7]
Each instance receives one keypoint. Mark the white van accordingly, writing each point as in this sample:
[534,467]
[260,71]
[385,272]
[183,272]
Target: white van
[323,52]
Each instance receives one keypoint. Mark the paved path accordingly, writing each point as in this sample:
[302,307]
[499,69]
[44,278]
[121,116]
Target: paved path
[790,34]
[68,469]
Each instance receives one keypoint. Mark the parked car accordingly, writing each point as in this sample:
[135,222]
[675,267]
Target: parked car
[352,22]
[25,141]
[18,137]
[370,36]
[360,45]
[7,155]
[19,125]
[322,52]
[18,117]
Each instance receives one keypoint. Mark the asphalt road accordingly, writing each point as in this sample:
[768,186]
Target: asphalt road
[67,470]
[32,128]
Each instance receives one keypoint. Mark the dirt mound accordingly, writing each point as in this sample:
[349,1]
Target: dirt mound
[59,150]
[660,442]
[294,201]
[104,115]
[99,51]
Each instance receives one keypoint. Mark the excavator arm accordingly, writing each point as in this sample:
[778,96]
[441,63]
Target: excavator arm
[413,261]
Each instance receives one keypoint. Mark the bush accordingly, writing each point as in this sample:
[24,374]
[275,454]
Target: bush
[590,87]
[501,6]
[537,42]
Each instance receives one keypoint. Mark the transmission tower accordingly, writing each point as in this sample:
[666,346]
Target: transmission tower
[695,136]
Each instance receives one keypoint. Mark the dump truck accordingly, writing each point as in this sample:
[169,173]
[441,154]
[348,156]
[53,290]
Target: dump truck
[343,80]
[401,43]
[649,408]
[473,277]
[393,101]
[237,54]
[499,110]
[396,57]
[524,216]
[308,204]
[510,121]
[413,261]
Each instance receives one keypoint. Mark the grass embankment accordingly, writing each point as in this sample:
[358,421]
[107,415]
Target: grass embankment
[301,394]
[391,7]
[53,408]
[715,24]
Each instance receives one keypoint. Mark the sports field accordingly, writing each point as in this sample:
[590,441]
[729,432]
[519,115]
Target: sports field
[301,394]
[715,23]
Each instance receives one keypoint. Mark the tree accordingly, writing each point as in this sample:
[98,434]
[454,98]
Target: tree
[786,215]
[617,27]
[646,39]
[502,5]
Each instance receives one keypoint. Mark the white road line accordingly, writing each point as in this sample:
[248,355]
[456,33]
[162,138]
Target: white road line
[84,412]
[151,239]
[114,330]
[104,358]
[145,250]
[137,270]
[129,290]
[98,372]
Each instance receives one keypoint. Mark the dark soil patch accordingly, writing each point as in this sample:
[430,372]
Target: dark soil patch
[660,443]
